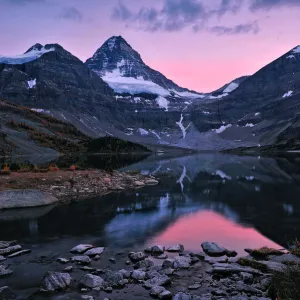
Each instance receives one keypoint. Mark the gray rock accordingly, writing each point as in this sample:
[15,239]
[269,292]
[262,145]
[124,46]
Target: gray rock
[86,297]
[176,248]
[9,250]
[25,198]
[151,182]
[79,249]
[168,271]
[112,260]
[160,280]
[88,269]
[214,260]
[182,262]
[168,263]
[81,259]
[157,249]
[95,251]
[19,253]
[165,295]
[246,277]
[220,268]
[156,290]
[4,244]
[241,287]
[108,289]
[125,273]
[184,296]
[200,255]
[136,256]
[265,283]
[2,258]
[92,281]
[213,249]
[56,282]
[147,263]
[231,253]
[162,256]
[194,286]
[113,278]
[4,271]
[68,269]
[148,250]
[7,294]
[138,275]
[274,266]
[285,258]
[63,260]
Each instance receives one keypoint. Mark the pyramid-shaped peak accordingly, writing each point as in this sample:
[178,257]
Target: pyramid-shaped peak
[296,49]
[116,43]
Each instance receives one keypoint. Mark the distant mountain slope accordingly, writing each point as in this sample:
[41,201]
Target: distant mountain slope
[51,77]
[124,70]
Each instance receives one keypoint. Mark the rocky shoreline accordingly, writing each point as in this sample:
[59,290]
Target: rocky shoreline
[66,186]
[91,272]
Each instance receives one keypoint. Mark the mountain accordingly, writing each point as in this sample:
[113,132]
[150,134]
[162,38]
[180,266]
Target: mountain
[117,63]
[50,77]
[264,108]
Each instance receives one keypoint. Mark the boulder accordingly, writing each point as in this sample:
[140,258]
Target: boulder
[19,253]
[92,281]
[168,263]
[125,273]
[56,282]
[25,198]
[156,290]
[138,275]
[182,262]
[160,280]
[82,259]
[9,250]
[213,249]
[94,251]
[144,264]
[165,295]
[220,268]
[157,249]
[176,248]
[79,249]
[246,277]
[136,256]
[113,279]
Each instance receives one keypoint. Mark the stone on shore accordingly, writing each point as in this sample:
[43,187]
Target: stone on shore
[92,281]
[56,282]
[144,264]
[157,249]
[136,256]
[94,251]
[83,259]
[156,290]
[213,249]
[159,280]
[182,262]
[25,198]
[168,263]
[79,249]
[176,248]
[113,279]
[220,268]
[2,258]
[19,253]
[138,275]
[165,295]
[9,250]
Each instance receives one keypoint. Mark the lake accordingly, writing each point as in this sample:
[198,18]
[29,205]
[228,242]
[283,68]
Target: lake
[236,201]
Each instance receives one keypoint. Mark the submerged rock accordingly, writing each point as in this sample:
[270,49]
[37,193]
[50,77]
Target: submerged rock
[56,282]
[157,249]
[213,249]
[19,253]
[83,259]
[9,250]
[165,295]
[147,263]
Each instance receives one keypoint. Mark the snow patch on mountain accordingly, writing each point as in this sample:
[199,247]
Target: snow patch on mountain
[249,125]
[222,128]
[223,175]
[188,94]
[181,126]
[288,94]
[291,56]
[162,102]
[132,85]
[257,114]
[296,50]
[31,83]
[111,43]
[231,87]
[218,97]
[143,131]
[26,57]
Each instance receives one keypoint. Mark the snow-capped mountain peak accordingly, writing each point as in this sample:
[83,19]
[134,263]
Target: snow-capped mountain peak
[124,70]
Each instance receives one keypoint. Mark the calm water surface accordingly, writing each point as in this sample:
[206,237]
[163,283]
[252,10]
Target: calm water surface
[236,201]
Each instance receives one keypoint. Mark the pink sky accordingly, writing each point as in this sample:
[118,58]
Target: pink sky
[202,61]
